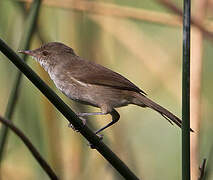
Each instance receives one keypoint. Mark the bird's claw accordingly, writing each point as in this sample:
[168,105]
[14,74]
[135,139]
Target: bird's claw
[73,127]
[100,136]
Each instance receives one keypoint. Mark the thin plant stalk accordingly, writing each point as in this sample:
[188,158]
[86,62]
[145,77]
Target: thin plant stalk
[186,92]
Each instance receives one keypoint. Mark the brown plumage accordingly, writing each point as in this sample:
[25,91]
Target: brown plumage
[89,83]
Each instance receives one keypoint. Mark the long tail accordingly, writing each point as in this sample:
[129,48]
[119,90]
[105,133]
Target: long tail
[143,101]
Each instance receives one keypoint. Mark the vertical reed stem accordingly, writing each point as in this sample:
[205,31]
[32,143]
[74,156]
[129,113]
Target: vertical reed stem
[186,92]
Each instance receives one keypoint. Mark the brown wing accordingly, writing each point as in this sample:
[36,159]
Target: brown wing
[91,73]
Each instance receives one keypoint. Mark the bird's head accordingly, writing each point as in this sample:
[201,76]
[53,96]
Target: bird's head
[49,54]
[48,50]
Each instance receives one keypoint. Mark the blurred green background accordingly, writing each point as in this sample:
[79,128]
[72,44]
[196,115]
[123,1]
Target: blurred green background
[141,47]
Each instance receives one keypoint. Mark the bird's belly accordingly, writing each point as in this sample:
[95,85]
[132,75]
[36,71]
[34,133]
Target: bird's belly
[76,91]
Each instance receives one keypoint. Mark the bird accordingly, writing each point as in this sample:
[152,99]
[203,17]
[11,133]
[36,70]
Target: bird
[89,83]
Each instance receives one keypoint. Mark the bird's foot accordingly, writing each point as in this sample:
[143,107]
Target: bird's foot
[73,127]
[100,136]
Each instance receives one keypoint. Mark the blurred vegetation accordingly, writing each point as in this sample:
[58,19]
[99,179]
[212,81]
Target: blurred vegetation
[147,53]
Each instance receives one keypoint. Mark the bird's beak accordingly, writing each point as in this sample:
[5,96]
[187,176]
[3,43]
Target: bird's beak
[28,52]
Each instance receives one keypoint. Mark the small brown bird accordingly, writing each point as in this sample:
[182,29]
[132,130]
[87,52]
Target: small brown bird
[92,84]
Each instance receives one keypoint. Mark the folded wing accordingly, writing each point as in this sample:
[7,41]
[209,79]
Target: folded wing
[92,73]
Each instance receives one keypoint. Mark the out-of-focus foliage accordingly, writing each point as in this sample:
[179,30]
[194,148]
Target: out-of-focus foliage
[146,53]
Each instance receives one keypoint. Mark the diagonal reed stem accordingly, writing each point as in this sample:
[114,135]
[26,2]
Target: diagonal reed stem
[25,42]
[186,92]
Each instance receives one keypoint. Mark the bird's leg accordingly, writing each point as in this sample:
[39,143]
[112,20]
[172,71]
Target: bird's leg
[90,114]
[83,121]
[115,117]
[81,115]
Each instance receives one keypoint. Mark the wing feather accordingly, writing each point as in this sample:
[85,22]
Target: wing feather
[92,73]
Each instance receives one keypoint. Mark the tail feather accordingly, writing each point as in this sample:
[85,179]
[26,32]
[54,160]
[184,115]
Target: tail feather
[146,102]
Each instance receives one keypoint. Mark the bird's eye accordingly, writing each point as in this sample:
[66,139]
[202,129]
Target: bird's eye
[45,53]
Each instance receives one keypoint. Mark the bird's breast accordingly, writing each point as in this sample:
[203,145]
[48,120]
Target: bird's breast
[71,87]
